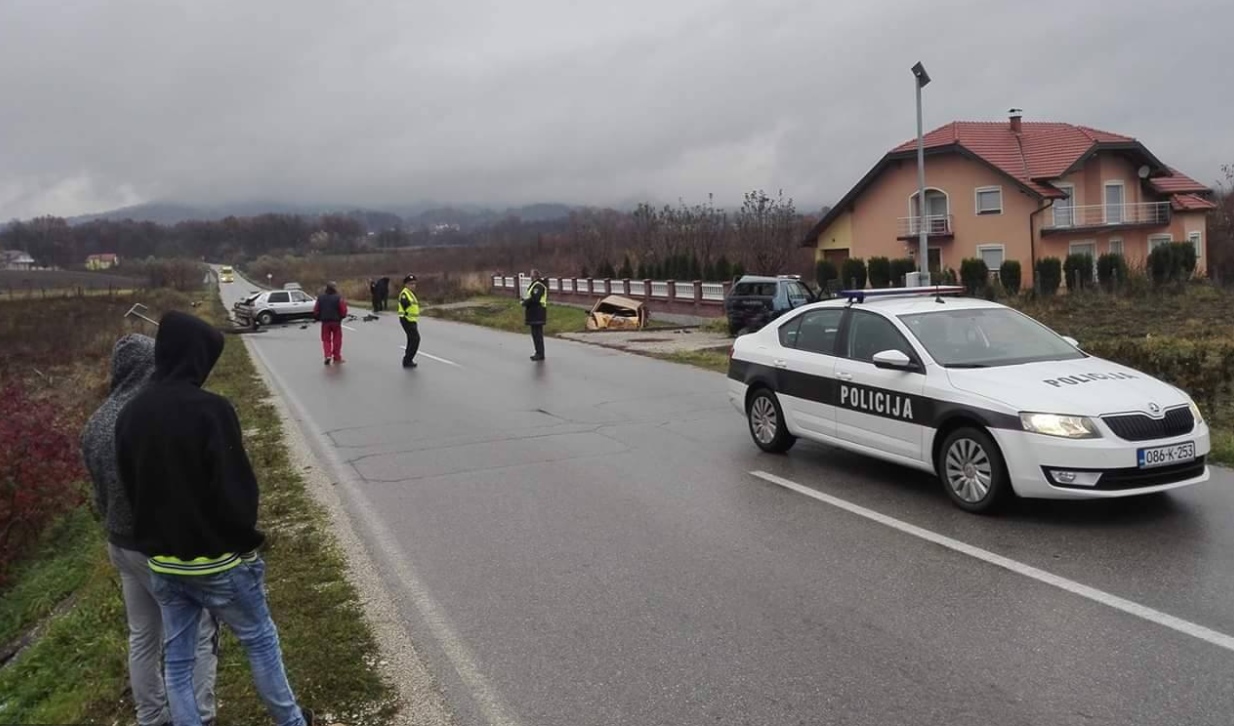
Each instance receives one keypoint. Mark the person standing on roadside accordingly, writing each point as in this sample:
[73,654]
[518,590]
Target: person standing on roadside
[383,294]
[535,312]
[329,310]
[374,295]
[181,459]
[409,318]
[132,363]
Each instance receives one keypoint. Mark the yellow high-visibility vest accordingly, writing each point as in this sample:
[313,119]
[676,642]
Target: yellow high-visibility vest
[408,306]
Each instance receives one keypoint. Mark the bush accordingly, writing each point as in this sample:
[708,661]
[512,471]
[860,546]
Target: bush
[974,275]
[40,471]
[824,272]
[1112,271]
[853,272]
[626,271]
[1173,262]
[1049,275]
[879,269]
[1203,367]
[724,270]
[947,276]
[1079,271]
[900,267]
[1009,274]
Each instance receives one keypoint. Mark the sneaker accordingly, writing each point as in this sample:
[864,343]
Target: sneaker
[411,364]
[327,361]
[537,357]
[309,718]
[339,360]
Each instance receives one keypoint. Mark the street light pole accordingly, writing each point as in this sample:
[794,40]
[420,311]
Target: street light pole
[923,259]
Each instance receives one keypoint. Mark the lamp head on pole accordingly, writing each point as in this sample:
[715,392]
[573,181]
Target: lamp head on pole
[923,78]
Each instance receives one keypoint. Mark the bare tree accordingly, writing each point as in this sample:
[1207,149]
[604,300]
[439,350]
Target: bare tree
[766,229]
[1221,230]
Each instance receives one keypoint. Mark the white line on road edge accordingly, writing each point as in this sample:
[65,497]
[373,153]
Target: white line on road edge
[456,651]
[1221,640]
[430,356]
[350,328]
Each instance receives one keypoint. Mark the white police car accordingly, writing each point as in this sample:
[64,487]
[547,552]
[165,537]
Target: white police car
[984,396]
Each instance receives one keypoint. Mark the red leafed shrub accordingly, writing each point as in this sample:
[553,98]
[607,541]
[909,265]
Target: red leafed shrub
[40,471]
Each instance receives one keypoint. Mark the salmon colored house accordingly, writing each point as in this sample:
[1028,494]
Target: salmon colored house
[1016,191]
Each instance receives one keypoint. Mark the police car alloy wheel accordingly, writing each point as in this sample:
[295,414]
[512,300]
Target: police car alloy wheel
[972,470]
[266,317]
[767,423]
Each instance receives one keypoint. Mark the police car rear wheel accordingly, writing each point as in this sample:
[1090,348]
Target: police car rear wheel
[972,470]
[767,423]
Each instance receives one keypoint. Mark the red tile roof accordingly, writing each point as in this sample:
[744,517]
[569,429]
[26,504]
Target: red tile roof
[1190,203]
[1041,150]
[1180,183]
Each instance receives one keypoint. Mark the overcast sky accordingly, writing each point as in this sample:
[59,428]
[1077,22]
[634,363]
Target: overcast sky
[387,102]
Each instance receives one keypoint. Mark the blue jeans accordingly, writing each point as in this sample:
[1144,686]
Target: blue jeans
[237,597]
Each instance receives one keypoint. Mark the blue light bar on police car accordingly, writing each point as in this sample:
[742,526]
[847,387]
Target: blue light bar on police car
[861,295]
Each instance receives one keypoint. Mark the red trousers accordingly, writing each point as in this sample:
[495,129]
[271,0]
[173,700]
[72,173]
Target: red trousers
[332,340]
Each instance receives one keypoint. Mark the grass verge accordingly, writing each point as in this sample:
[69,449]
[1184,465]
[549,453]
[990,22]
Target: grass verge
[76,671]
[507,314]
[712,359]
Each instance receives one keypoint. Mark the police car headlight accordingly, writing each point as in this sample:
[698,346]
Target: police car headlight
[1195,412]
[1053,424]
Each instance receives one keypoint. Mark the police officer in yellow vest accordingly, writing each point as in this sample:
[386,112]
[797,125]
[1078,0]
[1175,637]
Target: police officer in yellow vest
[536,312]
[409,318]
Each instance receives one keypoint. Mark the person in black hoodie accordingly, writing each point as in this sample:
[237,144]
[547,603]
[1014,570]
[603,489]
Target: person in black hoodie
[132,364]
[194,498]
[329,310]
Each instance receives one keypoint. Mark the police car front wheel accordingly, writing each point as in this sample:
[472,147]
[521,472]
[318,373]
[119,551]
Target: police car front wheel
[972,470]
[767,423]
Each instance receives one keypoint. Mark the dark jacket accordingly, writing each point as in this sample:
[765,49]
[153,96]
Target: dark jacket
[535,305]
[330,308]
[132,363]
[181,454]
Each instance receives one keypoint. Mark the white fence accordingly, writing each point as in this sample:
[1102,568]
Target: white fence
[710,292]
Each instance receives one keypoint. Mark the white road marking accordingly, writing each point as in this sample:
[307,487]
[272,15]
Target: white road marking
[430,356]
[348,327]
[1221,640]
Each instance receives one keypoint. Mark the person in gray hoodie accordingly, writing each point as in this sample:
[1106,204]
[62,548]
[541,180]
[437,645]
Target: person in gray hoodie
[132,364]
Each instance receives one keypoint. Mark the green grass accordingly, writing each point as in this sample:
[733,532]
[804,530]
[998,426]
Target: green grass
[59,566]
[507,314]
[76,672]
[712,359]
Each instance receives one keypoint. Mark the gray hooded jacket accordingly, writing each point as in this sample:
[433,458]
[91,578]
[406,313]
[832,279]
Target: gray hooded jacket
[132,363]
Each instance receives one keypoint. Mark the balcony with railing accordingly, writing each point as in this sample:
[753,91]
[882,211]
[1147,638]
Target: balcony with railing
[1106,216]
[937,226]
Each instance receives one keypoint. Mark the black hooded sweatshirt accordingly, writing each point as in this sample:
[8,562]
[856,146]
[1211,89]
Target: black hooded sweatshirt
[181,454]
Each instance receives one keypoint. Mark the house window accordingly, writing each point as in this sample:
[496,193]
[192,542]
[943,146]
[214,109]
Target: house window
[990,200]
[1156,240]
[1114,206]
[1064,209]
[991,255]
[937,212]
[1116,246]
[1197,240]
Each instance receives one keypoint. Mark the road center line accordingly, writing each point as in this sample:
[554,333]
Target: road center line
[349,328]
[433,357]
[1221,640]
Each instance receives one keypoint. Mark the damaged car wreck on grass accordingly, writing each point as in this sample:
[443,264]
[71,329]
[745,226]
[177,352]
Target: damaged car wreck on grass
[617,313]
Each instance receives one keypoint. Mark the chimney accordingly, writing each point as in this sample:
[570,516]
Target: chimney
[1016,113]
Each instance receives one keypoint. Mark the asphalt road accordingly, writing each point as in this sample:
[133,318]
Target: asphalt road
[583,542]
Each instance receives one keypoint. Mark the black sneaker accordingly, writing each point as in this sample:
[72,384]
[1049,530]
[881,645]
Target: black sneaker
[411,364]
[537,357]
[327,361]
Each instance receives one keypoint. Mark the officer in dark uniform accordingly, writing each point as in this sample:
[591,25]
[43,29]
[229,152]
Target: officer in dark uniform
[536,312]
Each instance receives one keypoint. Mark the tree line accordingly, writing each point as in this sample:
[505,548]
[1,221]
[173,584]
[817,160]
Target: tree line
[762,235]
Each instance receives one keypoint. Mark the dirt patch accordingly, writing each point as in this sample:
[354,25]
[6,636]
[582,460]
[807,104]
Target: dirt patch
[679,341]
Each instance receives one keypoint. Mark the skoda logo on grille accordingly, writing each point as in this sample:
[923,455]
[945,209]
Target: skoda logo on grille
[1154,408]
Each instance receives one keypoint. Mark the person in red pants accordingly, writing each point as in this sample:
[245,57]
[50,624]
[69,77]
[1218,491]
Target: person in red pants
[330,310]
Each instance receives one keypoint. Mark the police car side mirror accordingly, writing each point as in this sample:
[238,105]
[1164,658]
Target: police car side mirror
[894,359]
[1072,341]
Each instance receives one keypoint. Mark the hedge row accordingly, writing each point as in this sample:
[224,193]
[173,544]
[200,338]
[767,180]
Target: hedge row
[1203,367]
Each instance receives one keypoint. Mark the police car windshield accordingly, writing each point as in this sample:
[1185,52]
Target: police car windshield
[987,337]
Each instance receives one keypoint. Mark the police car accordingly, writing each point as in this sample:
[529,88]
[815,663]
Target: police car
[990,400]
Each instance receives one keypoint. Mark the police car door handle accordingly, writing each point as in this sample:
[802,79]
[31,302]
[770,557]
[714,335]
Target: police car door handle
[845,376]
[780,363]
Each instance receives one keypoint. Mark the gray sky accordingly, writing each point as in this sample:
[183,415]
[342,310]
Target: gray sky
[386,102]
